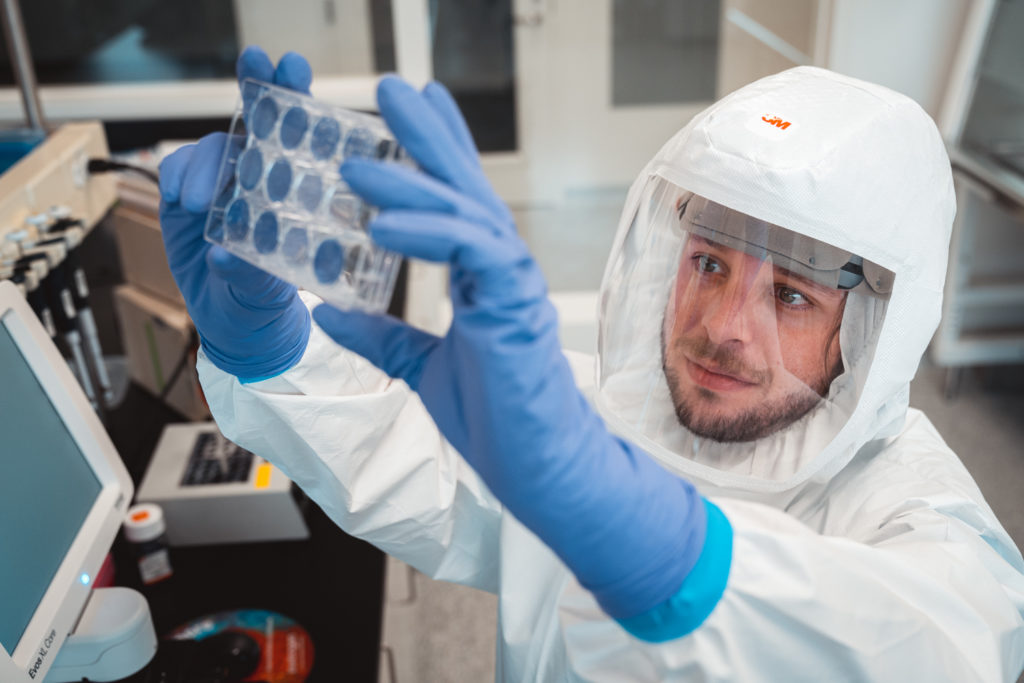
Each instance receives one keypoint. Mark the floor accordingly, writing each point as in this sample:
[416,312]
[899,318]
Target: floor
[439,632]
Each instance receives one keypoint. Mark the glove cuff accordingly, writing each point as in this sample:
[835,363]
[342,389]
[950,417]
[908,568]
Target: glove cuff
[279,354]
[702,588]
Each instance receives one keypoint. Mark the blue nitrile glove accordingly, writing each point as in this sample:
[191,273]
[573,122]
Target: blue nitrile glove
[250,323]
[502,393]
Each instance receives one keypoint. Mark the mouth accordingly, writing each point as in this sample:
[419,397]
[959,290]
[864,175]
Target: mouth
[715,379]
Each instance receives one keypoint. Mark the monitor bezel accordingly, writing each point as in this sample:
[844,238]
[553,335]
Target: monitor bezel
[66,595]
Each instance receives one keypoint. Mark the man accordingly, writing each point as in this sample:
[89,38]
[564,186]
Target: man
[774,282]
[750,346]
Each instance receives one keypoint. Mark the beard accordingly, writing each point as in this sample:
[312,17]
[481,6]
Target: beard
[697,414]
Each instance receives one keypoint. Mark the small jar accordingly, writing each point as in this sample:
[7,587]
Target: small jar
[145,530]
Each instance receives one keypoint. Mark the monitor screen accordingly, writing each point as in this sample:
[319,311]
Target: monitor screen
[46,491]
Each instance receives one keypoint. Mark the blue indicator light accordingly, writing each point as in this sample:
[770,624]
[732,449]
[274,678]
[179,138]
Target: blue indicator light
[84,578]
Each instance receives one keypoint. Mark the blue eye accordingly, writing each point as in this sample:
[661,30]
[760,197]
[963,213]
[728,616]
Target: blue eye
[791,297]
[706,264]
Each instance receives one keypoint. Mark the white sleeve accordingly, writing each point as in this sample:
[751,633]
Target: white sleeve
[927,599]
[923,586]
[364,448]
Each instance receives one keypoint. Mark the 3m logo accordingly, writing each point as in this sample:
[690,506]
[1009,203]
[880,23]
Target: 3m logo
[776,121]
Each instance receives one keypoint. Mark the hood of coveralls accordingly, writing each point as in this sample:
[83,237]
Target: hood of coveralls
[844,162]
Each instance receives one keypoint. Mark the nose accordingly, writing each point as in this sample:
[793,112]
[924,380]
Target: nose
[739,311]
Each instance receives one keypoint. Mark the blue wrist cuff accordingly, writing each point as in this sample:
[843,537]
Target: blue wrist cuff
[282,365]
[269,357]
[685,611]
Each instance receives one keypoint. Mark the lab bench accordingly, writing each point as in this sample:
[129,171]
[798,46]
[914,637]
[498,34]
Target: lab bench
[332,584]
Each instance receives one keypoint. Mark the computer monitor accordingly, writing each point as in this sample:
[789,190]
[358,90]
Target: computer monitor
[63,495]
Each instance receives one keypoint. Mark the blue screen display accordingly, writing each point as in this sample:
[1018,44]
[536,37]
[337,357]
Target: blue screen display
[46,491]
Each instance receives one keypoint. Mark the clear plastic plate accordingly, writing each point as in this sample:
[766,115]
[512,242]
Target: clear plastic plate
[283,205]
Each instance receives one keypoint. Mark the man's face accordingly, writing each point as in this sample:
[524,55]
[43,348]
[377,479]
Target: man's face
[747,347]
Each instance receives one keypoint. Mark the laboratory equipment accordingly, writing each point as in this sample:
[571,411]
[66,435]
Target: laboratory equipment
[60,302]
[48,244]
[63,229]
[56,174]
[282,205]
[213,491]
[63,495]
[49,184]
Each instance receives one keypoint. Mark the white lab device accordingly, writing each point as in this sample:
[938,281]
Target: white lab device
[63,496]
[212,491]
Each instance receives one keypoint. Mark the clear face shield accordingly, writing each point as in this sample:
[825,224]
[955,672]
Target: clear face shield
[720,328]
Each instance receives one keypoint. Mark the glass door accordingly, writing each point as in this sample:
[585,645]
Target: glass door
[124,60]
[604,83]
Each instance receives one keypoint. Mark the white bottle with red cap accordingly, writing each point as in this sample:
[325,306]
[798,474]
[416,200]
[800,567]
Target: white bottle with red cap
[145,529]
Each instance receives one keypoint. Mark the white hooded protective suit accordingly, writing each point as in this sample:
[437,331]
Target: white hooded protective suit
[862,549]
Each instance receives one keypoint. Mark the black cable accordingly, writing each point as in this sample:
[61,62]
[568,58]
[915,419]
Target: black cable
[135,459]
[190,348]
[108,165]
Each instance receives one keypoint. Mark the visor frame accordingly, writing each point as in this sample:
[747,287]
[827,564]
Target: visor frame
[803,256]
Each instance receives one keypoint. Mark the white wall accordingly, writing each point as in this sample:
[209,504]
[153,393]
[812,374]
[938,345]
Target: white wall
[908,45]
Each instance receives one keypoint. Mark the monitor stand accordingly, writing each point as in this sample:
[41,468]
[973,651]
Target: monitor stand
[113,639]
